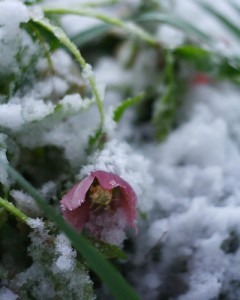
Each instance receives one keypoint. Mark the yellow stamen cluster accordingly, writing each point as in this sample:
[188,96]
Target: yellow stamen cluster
[100,197]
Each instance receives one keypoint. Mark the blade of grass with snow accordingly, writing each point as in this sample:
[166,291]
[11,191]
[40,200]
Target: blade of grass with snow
[13,210]
[63,38]
[166,107]
[129,27]
[119,111]
[220,17]
[88,35]
[175,22]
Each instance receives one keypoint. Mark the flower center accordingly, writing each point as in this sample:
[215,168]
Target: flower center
[100,198]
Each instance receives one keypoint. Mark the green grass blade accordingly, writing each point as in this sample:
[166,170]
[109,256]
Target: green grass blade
[63,38]
[226,22]
[129,27]
[167,105]
[82,38]
[109,275]
[235,6]
[13,210]
[119,111]
[175,22]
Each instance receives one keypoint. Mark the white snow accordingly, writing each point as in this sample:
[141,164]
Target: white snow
[32,112]
[12,14]
[26,203]
[66,261]
[6,294]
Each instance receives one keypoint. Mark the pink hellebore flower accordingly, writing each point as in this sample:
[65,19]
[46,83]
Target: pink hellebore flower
[101,203]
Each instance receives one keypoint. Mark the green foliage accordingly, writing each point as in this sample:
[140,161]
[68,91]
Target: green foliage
[42,34]
[90,34]
[13,210]
[166,106]
[201,58]
[119,111]
[96,140]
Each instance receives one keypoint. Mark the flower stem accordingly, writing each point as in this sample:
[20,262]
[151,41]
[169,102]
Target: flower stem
[13,210]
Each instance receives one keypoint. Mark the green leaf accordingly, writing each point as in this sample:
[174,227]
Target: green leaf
[200,58]
[95,140]
[109,275]
[33,27]
[86,36]
[119,111]
[175,22]
[192,52]
[215,64]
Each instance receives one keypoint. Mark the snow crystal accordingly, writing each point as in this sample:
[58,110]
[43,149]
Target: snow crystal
[12,13]
[66,261]
[74,103]
[51,86]
[19,111]
[37,224]
[63,246]
[6,294]
[157,231]
[33,110]
[109,124]
[87,72]
[109,227]
[194,140]
[10,116]
[36,12]
[48,189]
[26,203]
[117,77]
[169,36]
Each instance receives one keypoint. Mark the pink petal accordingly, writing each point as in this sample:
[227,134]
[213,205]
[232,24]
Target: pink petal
[79,216]
[128,203]
[77,194]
